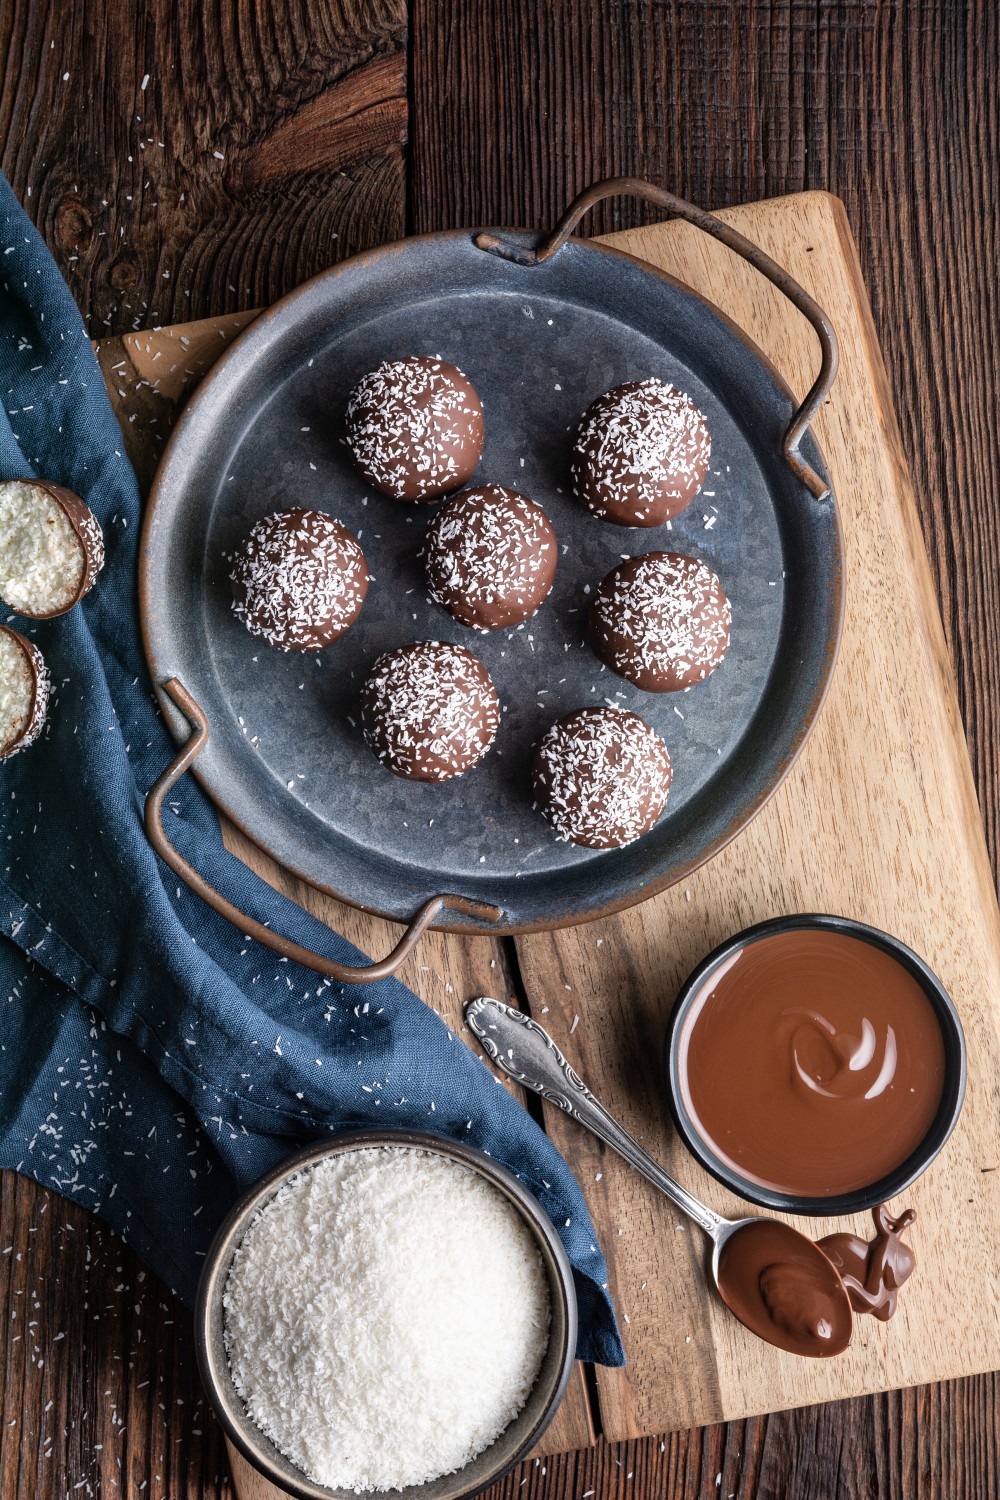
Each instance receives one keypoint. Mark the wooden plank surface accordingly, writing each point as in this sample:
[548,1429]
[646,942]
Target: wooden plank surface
[158,145]
[512,108]
[893,106]
[878,820]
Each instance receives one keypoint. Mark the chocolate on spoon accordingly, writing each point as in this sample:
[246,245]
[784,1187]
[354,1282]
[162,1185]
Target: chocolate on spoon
[783,1288]
[772,1278]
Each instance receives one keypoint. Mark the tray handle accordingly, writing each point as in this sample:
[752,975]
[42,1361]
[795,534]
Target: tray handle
[342,973]
[678,208]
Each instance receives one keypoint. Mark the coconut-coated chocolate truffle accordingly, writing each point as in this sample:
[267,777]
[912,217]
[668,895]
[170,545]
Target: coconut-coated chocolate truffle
[299,580]
[429,711]
[490,557]
[415,428]
[601,777]
[661,621]
[51,548]
[24,692]
[641,454]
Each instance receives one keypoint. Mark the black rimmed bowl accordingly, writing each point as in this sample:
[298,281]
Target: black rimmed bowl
[887,1186]
[516,1439]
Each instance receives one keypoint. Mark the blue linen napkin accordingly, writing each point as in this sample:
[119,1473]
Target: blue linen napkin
[153,1062]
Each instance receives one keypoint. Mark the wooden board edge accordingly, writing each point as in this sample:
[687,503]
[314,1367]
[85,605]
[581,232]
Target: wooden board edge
[919,560]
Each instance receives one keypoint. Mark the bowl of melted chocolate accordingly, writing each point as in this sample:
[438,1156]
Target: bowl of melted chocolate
[815,1065]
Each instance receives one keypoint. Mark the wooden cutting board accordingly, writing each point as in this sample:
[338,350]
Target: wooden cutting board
[878,820]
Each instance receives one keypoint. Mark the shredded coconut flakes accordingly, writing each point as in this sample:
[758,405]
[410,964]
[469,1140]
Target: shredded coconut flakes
[355,1324]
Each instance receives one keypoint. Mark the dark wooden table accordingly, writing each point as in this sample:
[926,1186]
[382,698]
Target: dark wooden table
[190,159]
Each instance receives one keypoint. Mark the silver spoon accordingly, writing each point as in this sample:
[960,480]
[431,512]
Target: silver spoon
[776,1281]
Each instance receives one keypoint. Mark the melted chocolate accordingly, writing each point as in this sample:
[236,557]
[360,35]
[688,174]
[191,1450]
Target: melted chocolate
[784,1289]
[873,1271]
[812,1062]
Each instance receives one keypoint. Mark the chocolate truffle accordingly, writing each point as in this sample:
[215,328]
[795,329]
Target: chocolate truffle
[641,454]
[24,692]
[51,548]
[299,580]
[490,556]
[429,711]
[661,621]
[601,777]
[415,428]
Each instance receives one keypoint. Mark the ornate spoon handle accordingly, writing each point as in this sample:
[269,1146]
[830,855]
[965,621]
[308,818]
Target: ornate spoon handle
[526,1052]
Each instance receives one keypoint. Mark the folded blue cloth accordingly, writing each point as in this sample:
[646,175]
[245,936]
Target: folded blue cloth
[152,1062]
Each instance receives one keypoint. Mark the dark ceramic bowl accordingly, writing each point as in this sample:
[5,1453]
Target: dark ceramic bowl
[512,1444]
[918,1161]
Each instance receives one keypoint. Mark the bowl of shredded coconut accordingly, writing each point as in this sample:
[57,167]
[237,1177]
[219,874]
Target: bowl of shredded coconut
[387,1312]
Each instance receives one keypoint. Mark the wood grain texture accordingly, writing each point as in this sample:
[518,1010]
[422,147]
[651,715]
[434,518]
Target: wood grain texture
[891,106]
[187,159]
[894,108]
[513,107]
[634,962]
[98,1385]
[878,819]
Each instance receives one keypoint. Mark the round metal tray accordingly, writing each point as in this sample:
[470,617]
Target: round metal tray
[540,332]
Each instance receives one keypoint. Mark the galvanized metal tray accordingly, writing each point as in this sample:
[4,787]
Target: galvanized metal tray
[541,327]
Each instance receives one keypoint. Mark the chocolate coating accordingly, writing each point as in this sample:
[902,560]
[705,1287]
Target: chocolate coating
[415,428]
[299,580]
[641,454]
[89,538]
[429,711]
[602,777]
[24,728]
[660,621]
[490,557]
